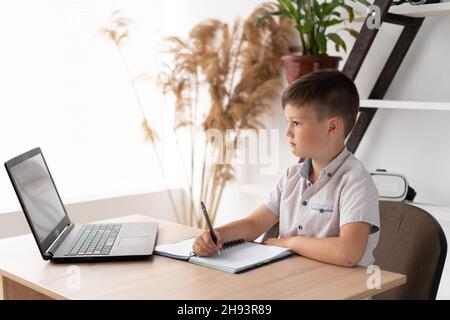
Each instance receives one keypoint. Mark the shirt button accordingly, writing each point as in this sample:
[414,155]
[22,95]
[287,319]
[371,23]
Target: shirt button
[305,203]
[329,174]
[321,210]
[300,227]
[309,184]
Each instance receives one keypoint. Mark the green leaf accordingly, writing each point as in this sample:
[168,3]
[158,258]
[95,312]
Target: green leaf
[365,2]
[339,43]
[270,14]
[353,32]
[351,14]
[317,10]
[331,22]
[308,26]
[322,42]
[329,7]
[335,13]
[288,6]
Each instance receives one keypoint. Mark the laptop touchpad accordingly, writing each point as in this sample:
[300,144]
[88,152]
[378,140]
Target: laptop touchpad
[134,241]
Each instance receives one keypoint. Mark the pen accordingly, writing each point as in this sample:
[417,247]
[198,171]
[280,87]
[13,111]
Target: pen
[208,222]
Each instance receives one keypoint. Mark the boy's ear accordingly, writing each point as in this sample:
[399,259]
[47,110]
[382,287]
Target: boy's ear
[334,124]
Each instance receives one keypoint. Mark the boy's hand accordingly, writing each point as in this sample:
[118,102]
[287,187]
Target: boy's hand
[204,246]
[281,242]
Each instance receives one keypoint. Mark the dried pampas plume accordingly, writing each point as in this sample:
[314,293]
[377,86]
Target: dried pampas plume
[240,68]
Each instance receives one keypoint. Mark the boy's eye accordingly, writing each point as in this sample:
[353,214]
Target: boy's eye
[296,123]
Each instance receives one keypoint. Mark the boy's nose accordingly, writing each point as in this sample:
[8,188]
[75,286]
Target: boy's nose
[288,133]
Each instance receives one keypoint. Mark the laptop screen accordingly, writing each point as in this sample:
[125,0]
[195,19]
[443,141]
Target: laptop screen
[39,195]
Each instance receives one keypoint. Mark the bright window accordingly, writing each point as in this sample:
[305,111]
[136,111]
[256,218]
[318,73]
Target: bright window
[64,89]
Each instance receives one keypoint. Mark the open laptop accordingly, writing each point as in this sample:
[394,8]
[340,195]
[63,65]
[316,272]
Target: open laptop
[58,239]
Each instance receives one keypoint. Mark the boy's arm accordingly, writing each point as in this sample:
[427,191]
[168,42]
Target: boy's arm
[249,228]
[345,250]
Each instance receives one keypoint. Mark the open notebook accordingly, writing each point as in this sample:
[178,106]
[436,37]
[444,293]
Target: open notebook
[235,256]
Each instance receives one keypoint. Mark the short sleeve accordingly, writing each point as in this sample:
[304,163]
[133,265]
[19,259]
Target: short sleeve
[359,202]
[273,201]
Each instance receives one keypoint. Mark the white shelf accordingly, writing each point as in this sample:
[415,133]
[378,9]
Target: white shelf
[407,105]
[423,10]
[419,11]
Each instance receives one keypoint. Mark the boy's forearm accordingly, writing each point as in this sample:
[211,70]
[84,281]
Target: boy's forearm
[239,229]
[329,250]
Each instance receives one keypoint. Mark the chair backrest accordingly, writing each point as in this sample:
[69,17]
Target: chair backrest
[413,243]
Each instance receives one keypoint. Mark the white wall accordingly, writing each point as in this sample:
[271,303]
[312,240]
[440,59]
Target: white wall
[65,89]
[415,142]
[154,204]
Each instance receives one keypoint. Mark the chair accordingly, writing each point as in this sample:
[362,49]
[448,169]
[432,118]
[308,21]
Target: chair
[413,243]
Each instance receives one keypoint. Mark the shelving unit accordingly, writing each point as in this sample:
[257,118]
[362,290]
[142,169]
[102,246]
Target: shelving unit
[419,11]
[405,105]
[422,11]
[410,17]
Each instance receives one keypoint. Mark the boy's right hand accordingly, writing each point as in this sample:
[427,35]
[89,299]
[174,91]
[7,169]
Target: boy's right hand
[204,246]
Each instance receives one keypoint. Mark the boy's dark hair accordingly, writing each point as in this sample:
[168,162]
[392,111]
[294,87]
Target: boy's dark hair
[329,92]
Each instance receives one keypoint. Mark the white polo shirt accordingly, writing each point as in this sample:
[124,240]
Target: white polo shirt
[343,193]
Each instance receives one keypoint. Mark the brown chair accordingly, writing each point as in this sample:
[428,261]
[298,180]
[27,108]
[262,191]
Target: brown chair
[412,243]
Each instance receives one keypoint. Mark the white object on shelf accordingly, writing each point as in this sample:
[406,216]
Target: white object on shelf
[412,105]
[422,10]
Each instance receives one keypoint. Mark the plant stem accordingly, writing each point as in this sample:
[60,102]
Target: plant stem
[215,208]
[222,185]
[202,185]
[213,188]
[194,123]
[175,210]
[180,155]
[236,60]
[191,208]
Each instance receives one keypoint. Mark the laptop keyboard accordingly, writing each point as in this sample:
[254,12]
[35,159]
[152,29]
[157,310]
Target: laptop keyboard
[94,239]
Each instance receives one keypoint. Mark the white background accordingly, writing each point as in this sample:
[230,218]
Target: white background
[65,89]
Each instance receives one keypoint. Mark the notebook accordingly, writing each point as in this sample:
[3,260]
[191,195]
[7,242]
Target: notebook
[235,256]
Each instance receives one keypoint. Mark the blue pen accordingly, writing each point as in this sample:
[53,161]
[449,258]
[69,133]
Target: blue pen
[208,222]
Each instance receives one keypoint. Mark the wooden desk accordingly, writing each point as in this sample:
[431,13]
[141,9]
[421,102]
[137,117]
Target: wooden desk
[25,275]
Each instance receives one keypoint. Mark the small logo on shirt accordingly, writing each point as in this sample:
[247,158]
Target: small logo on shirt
[322,207]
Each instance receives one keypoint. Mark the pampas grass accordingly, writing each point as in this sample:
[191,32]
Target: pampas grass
[240,68]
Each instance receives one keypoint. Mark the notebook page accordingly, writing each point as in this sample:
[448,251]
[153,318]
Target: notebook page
[181,249]
[240,256]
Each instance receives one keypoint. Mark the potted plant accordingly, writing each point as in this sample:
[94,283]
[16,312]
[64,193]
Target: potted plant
[311,20]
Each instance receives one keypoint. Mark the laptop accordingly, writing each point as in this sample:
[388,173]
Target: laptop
[60,240]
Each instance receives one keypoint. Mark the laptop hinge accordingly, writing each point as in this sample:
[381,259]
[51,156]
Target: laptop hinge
[54,243]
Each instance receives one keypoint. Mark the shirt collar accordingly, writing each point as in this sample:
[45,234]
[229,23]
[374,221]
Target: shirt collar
[330,169]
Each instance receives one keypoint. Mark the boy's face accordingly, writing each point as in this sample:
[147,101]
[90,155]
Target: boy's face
[307,136]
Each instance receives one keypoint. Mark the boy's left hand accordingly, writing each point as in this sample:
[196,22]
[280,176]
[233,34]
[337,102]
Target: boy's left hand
[282,242]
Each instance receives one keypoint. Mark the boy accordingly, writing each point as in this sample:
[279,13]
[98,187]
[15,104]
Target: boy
[326,206]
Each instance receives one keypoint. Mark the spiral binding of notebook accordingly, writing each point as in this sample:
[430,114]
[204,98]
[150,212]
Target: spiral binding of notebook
[226,245]
[232,243]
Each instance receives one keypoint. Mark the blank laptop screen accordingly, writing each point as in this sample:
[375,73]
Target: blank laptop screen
[39,195]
